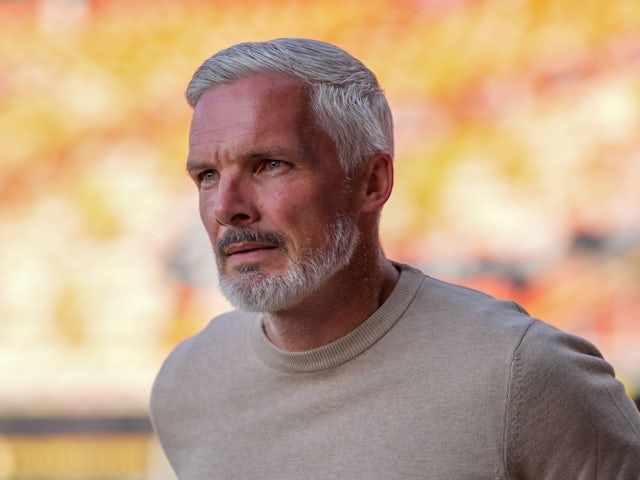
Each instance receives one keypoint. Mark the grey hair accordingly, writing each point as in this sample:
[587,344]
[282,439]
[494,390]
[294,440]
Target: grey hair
[345,96]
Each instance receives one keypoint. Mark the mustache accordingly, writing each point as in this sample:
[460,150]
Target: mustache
[248,235]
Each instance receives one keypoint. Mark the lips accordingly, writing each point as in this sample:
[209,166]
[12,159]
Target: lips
[247,245]
[240,248]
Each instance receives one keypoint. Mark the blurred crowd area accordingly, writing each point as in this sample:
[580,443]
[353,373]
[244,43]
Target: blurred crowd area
[517,173]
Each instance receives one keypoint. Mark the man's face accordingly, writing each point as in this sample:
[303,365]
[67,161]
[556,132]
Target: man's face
[273,197]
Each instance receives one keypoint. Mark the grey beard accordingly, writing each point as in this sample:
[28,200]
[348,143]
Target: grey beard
[254,291]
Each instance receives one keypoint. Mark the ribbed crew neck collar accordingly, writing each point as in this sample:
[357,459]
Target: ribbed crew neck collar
[349,346]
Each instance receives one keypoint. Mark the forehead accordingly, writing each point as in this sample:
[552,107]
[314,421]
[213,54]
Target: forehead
[256,105]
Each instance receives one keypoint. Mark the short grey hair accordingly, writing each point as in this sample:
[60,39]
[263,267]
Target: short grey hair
[345,95]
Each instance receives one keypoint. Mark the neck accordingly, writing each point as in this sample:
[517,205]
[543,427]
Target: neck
[341,305]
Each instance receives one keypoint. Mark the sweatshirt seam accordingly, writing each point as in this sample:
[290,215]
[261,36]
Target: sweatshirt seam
[514,397]
[623,413]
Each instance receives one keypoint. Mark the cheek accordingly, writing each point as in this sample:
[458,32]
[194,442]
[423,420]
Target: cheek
[310,224]
[208,218]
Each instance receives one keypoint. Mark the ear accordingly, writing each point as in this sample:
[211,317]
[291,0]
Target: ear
[377,182]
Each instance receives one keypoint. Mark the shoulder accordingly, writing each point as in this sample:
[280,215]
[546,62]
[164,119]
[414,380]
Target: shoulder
[564,413]
[558,365]
[467,301]
[465,315]
[464,335]
[219,342]
[566,404]
[218,330]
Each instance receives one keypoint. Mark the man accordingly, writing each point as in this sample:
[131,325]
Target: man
[339,363]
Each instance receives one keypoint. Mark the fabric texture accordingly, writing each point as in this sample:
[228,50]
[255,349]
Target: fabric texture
[442,382]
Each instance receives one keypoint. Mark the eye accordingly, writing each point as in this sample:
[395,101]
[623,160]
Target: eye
[207,176]
[273,164]
[270,165]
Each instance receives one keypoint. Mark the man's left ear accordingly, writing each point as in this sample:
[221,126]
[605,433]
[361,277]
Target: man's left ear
[377,182]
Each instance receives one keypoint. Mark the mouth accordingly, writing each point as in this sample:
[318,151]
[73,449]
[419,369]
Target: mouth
[238,249]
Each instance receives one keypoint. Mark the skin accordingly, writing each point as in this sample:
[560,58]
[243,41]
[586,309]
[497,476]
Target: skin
[259,161]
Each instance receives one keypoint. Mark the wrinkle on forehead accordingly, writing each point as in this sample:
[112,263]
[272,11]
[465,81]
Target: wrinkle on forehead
[257,118]
[215,135]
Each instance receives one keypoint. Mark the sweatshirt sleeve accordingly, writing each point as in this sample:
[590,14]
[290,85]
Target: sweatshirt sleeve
[567,415]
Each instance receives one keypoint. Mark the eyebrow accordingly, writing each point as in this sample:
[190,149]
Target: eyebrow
[192,166]
[196,164]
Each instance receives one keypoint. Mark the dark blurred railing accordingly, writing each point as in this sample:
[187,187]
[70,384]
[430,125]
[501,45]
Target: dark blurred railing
[65,448]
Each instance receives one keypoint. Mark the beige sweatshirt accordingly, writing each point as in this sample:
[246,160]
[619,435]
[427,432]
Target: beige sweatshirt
[441,383]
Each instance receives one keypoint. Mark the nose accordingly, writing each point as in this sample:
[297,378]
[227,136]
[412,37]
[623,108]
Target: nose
[233,204]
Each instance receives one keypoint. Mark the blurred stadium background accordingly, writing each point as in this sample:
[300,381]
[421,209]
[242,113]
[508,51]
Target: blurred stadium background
[518,172]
